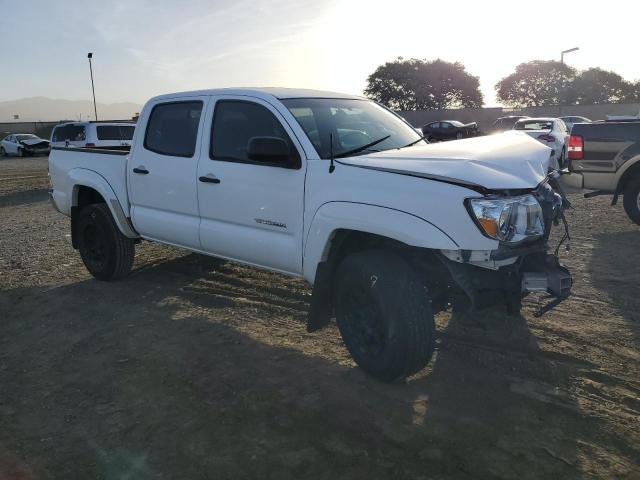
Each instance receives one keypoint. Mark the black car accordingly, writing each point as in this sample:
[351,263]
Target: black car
[449,130]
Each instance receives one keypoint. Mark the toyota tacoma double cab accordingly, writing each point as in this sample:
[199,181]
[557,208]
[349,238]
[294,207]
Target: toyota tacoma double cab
[604,157]
[332,188]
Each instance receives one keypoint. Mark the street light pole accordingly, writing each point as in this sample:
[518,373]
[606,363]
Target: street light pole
[567,51]
[562,62]
[95,109]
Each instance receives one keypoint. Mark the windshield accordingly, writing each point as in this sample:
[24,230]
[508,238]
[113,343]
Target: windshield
[352,123]
[456,123]
[25,136]
[534,125]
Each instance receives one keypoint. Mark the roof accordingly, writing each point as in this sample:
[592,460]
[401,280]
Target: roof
[538,119]
[261,92]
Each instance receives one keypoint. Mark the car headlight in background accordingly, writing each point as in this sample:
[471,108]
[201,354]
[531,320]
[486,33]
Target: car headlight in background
[508,219]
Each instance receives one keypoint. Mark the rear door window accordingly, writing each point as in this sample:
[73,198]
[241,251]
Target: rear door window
[172,128]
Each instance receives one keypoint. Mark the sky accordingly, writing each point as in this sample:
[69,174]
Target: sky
[143,48]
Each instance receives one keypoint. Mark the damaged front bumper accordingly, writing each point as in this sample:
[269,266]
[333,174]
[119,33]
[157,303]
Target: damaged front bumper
[508,280]
[549,276]
[510,272]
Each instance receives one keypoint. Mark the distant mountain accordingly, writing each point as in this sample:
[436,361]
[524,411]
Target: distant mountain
[45,109]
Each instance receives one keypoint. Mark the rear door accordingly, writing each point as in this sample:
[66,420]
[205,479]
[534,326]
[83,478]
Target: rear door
[447,131]
[433,130]
[162,171]
[250,211]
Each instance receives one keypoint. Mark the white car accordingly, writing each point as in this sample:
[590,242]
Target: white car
[569,121]
[551,132]
[110,135]
[23,145]
[332,188]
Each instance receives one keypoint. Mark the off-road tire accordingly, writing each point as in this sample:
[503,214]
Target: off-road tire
[384,314]
[631,200]
[105,251]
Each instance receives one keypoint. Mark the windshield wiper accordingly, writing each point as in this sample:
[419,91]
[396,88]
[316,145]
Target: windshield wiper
[361,148]
[413,143]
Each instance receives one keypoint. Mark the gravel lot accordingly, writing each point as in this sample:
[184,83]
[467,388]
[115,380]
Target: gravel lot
[194,368]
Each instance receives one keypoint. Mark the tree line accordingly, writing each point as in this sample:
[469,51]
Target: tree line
[412,84]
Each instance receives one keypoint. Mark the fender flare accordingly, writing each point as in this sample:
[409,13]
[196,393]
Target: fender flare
[375,219]
[632,163]
[82,177]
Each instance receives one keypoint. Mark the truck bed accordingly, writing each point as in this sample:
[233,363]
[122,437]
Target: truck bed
[65,164]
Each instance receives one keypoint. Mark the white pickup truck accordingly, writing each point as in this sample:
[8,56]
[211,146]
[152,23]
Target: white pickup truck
[332,188]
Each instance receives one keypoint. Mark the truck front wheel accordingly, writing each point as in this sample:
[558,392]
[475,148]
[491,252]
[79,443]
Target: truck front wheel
[105,251]
[384,314]
[631,200]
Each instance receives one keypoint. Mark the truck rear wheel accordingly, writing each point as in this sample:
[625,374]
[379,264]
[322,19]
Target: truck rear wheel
[384,314]
[631,200]
[105,251]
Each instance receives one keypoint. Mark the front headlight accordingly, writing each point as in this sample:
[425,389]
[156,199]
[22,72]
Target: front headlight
[509,219]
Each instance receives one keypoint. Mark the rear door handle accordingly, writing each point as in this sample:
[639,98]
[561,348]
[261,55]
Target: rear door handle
[140,170]
[209,179]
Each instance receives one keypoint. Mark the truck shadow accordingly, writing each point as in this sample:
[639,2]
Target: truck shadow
[181,371]
[24,197]
[615,270]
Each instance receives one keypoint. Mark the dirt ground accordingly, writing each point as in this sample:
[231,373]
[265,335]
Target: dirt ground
[194,368]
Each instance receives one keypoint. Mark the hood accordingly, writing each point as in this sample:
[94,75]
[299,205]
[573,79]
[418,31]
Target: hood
[505,161]
[33,141]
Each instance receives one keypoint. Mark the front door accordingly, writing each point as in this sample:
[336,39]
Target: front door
[250,211]
[162,176]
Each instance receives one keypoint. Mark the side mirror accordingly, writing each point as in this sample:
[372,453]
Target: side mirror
[270,150]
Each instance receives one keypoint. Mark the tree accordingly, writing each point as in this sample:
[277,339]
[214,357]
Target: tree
[423,85]
[537,83]
[595,86]
[633,93]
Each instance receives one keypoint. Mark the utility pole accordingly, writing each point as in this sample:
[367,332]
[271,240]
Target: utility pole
[95,109]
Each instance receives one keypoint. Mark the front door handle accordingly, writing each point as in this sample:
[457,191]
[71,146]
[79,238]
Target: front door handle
[140,170]
[209,179]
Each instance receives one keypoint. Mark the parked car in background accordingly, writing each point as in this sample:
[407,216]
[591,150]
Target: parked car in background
[551,132]
[623,118]
[449,130]
[571,120]
[605,157]
[111,135]
[331,188]
[23,145]
[503,124]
